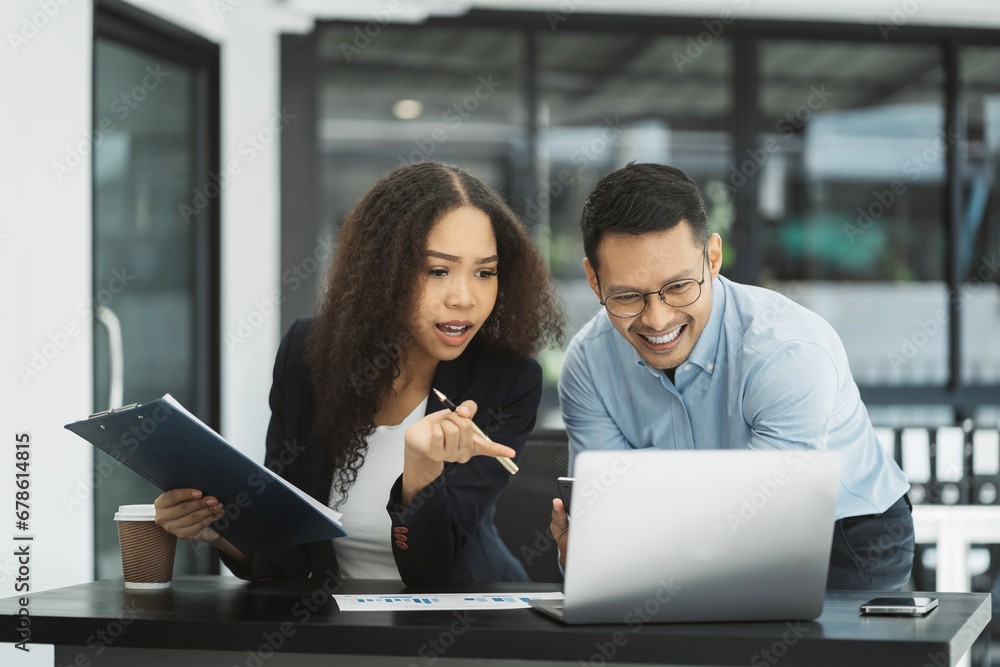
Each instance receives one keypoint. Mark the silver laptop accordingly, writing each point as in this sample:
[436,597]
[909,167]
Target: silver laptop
[721,535]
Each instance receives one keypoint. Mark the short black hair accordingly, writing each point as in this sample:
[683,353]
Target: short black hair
[639,199]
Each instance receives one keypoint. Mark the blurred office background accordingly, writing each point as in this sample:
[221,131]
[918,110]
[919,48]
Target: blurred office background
[176,172]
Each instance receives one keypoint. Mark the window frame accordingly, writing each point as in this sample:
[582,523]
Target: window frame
[745,36]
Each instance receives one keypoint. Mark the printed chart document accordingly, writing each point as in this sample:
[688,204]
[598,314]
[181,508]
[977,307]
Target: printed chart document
[173,449]
[441,601]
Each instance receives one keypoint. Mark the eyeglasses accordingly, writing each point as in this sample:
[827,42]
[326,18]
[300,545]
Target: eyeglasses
[676,294]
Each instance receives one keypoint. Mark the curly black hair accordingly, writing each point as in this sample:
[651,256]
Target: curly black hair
[359,336]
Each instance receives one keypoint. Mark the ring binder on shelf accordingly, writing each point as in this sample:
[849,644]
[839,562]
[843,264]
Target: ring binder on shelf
[887,439]
[916,457]
[986,465]
[950,487]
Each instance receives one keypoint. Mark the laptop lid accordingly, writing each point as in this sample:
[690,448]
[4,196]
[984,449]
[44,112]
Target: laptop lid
[720,535]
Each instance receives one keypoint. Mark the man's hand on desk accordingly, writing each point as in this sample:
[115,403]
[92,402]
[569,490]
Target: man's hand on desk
[560,529]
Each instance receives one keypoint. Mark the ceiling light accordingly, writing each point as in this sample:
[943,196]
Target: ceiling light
[407,109]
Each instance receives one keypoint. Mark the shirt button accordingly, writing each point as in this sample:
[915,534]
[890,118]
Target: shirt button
[711,365]
[687,367]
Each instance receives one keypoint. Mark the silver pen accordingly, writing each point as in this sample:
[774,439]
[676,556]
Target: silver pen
[510,466]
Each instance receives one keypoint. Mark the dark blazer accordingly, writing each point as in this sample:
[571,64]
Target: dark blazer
[450,536]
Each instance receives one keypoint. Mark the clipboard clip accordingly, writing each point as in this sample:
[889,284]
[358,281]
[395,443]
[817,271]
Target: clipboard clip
[113,410]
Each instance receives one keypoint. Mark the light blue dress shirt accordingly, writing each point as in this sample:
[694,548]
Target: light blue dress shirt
[765,373]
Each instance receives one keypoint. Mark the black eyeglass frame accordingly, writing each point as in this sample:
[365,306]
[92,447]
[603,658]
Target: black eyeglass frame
[645,295]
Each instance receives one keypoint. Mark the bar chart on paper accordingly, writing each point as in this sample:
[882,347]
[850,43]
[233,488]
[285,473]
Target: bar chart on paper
[440,602]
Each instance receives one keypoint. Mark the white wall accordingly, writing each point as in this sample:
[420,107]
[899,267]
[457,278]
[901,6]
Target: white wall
[45,271]
[45,275]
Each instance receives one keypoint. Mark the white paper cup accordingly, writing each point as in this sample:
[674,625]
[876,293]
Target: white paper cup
[147,549]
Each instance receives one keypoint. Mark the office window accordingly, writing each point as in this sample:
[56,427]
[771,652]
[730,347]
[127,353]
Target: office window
[851,154]
[979,221]
[609,99]
[842,196]
[155,244]
[414,94]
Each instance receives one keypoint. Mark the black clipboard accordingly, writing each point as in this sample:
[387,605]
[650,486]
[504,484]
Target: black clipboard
[173,449]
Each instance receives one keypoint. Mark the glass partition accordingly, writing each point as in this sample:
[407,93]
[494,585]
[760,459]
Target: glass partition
[979,248]
[852,155]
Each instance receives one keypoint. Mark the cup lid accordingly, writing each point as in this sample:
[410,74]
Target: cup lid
[135,513]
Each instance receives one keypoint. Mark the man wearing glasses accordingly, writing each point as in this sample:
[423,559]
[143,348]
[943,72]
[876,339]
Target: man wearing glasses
[683,358]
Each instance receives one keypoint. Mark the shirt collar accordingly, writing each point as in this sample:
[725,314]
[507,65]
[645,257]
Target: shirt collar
[706,350]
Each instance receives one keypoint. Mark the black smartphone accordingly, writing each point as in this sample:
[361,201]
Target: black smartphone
[899,606]
[565,486]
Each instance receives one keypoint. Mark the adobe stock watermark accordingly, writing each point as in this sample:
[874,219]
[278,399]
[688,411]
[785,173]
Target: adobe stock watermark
[937,659]
[428,491]
[869,555]
[767,489]
[772,654]
[301,612]
[103,638]
[225,7]
[581,157]
[542,545]
[591,490]
[790,123]
[252,146]
[605,652]
[8,568]
[130,440]
[264,309]
[968,633]
[566,9]
[84,487]
[363,35]
[773,315]
[929,328]
[885,199]
[714,28]
[454,116]
[363,372]
[435,648]
[122,106]
[658,258]
[42,356]
[32,25]
[902,12]
[257,482]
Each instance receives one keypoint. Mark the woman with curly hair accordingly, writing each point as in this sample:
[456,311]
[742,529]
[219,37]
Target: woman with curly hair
[434,285]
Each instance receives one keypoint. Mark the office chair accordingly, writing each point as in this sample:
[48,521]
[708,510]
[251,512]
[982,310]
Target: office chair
[524,509]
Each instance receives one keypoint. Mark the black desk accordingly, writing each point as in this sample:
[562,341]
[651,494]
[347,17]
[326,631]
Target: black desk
[226,621]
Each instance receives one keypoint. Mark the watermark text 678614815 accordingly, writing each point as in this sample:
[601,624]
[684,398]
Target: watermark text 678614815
[22,540]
